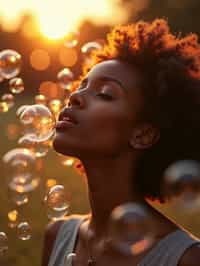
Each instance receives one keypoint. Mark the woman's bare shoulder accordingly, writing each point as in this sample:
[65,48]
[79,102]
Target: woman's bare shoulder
[191,257]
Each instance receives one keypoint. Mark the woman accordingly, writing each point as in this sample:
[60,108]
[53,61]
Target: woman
[135,111]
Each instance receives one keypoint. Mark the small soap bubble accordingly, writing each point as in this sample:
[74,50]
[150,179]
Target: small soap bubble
[88,48]
[57,201]
[131,229]
[3,243]
[38,122]
[70,259]
[40,99]
[24,231]
[10,63]
[182,180]
[3,107]
[71,39]
[9,99]
[16,85]
[65,77]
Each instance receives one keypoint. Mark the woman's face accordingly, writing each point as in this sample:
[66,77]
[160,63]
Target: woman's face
[105,108]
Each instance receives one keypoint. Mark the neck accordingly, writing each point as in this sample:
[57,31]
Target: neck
[110,184]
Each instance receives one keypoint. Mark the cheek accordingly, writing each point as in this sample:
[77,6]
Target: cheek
[111,128]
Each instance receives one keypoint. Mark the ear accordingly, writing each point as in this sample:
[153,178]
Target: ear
[144,136]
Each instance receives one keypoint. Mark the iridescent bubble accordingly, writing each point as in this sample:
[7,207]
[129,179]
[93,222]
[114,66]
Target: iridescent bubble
[65,77]
[3,243]
[4,107]
[182,179]
[24,231]
[57,201]
[38,122]
[40,99]
[9,99]
[20,167]
[16,85]
[40,149]
[131,229]
[10,63]
[70,259]
[71,39]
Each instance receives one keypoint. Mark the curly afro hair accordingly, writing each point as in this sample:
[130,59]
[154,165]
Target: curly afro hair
[170,67]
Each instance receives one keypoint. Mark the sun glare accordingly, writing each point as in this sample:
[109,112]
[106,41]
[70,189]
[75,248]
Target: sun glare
[56,18]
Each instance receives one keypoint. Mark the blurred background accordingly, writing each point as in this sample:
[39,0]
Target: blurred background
[49,36]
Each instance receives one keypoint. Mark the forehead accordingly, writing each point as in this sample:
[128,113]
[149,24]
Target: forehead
[123,72]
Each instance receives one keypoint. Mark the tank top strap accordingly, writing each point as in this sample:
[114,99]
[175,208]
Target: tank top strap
[65,239]
[170,249]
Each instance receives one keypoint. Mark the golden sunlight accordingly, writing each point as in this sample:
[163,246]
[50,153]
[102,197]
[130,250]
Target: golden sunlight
[56,18]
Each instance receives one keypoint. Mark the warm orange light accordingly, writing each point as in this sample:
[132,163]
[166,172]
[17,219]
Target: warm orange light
[51,90]
[40,59]
[68,56]
[56,18]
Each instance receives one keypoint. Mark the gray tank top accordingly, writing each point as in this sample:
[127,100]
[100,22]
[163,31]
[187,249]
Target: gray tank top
[167,252]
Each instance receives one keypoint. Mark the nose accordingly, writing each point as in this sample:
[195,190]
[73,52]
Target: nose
[76,99]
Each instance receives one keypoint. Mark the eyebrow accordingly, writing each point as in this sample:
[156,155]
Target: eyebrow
[106,78]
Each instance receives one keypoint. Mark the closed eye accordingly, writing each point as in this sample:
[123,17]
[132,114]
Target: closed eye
[105,96]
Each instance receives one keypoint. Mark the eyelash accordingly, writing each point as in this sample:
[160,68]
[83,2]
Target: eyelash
[105,96]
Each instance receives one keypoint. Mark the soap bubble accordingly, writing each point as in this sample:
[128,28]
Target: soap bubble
[70,259]
[16,85]
[24,231]
[4,107]
[8,98]
[131,229]
[89,47]
[10,63]
[71,40]
[182,179]
[65,77]
[38,122]
[57,201]
[3,243]
[20,166]
[40,149]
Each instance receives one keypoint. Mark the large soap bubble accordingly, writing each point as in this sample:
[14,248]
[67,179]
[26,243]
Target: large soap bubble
[38,122]
[131,229]
[20,165]
[182,179]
